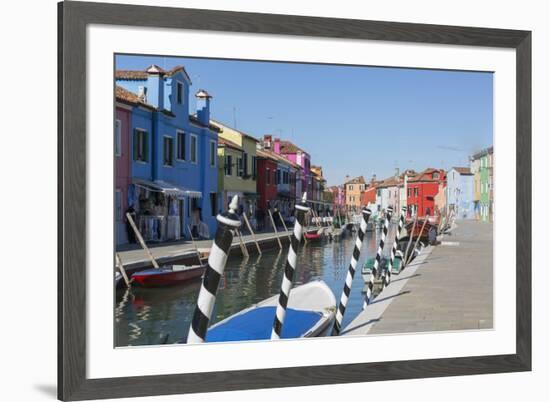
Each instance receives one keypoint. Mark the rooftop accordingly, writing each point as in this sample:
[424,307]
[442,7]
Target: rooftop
[142,75]
[462,170]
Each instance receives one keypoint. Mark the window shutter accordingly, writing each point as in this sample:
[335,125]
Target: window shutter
[135,145]
[146,146]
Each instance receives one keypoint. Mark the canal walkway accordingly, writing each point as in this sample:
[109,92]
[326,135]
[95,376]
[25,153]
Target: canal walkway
[447,287]
[134,257]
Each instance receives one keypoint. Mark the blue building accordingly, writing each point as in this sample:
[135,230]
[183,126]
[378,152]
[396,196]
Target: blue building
[174,155]
[460,192]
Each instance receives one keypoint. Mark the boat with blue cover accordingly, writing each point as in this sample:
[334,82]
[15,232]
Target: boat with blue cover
[310,311]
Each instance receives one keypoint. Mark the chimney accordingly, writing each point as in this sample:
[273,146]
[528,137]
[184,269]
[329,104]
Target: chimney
[277,146]
[267,141]
[373,179]
[203,106]
[153,92]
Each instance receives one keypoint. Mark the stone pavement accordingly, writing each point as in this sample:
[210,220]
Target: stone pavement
[448,287]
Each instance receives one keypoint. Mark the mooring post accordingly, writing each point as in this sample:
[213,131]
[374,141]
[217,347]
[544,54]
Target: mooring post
[290,267]
[411,234]
[122,270]
[141,241]
[275,228]
[284,224]
[401,222]
[252,233]
[194,244]
[378,259]
[351,272]
[417,240]
[227,223]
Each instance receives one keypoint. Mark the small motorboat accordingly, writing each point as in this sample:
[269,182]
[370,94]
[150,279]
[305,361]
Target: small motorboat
[313,236]
[310,311]
[167,275]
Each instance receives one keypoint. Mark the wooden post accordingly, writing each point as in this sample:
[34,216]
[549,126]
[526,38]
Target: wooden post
[284,224]
[122,270]
[418,238]
[241,241]
[195,245]
[141,241]
[252,233]
[275,228]
[405,257]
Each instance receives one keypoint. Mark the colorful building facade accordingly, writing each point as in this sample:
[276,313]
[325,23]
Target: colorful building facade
[174,168]
[239,171]
[354,188]
[422,190]
[481,165]
[460,192]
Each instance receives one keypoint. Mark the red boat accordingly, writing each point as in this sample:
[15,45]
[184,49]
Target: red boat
[420,226]
[168,275]
[313,236]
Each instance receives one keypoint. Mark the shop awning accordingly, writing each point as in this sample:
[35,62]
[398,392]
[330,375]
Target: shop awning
[167,188]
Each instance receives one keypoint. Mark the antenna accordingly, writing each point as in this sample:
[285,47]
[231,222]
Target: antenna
[234,117]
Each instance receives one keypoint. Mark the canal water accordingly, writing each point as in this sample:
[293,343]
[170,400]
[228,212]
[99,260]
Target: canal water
[163,315]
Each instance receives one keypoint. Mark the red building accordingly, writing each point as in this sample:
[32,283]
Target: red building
[266,185]
[369,195]
[421,191]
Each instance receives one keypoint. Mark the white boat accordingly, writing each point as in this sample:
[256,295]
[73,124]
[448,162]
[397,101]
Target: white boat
[310,311]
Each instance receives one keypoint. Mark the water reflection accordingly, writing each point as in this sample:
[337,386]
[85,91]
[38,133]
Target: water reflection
[155,316]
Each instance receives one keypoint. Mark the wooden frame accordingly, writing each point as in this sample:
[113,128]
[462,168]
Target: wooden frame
[73,17]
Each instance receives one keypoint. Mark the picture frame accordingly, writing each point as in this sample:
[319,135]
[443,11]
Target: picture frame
[73,20]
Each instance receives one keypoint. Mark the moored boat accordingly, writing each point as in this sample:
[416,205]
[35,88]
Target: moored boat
[167,275]
[313,236]
[310,311]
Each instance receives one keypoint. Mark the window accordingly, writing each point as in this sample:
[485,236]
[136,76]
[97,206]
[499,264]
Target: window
[141,146]
[168,151]
[118,137]
[435,175]
[179,92]
[267,176]
[245,166]
[408,192]
[228,165]
[194,150]
[181,146]
[254,167]
[212,153]
[416,192]
[213,203]
[240,167]
[118,204]
[350,187]
[278,180]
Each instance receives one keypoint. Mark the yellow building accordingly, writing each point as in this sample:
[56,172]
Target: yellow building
[354,188]
[237,167]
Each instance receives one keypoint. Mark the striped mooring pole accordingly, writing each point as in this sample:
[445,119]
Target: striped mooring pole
[400,224]
[366,213]
[227,223]
[374,272]
[290,267]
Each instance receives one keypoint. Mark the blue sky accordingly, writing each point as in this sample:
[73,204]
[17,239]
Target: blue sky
[352,120]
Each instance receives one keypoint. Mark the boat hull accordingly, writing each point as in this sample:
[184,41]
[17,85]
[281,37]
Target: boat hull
[167,276]
[310,312]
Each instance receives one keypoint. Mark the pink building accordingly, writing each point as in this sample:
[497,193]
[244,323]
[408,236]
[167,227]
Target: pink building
[338,198]
[294,154]
[122,168]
